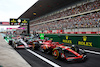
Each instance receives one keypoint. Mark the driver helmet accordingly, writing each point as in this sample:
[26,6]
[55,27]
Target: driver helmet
[73,45]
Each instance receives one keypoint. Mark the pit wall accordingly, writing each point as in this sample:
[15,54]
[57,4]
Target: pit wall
[83,40]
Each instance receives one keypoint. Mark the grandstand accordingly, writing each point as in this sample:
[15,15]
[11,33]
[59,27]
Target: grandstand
[64,16]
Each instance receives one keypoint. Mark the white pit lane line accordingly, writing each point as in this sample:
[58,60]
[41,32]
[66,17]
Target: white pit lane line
[5,40]
[92,52]
[44,59]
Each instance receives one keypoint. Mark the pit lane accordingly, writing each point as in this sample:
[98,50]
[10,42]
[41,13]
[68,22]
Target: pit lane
[92,61]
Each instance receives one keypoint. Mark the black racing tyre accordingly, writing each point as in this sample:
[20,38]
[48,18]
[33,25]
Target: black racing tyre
[56,53]
[35,46]
[10,42]
[14,46]
[4,37]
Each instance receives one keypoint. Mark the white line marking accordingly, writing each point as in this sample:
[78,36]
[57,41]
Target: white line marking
[46,60]
[5,40]
[91,51]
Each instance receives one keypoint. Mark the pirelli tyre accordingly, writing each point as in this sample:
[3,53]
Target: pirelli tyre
[14,46]
[56,53]
[4,37]
[35,46]
[10,42]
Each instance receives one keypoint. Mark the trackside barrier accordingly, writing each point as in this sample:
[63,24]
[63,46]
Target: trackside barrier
[78,39]
[62,32]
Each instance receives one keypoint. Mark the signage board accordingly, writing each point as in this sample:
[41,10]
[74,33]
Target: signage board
[41,36]
[19,21]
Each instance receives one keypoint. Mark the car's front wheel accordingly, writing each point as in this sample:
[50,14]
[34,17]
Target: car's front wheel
[14,46]
[10,42]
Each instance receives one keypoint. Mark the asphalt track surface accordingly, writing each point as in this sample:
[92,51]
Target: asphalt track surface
[92,61]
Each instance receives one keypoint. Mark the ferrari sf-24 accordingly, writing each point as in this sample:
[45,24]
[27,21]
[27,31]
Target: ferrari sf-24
[60,50]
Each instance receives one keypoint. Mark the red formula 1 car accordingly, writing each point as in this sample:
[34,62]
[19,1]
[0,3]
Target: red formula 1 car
[61,51]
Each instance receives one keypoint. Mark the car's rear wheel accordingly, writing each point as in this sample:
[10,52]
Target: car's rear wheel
[56,53]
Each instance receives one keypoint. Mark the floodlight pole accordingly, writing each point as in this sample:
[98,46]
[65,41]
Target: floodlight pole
[98,25]
[28,28]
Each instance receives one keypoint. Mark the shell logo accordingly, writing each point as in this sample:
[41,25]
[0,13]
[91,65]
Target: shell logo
[84,38]
[67,37]
[42,36]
